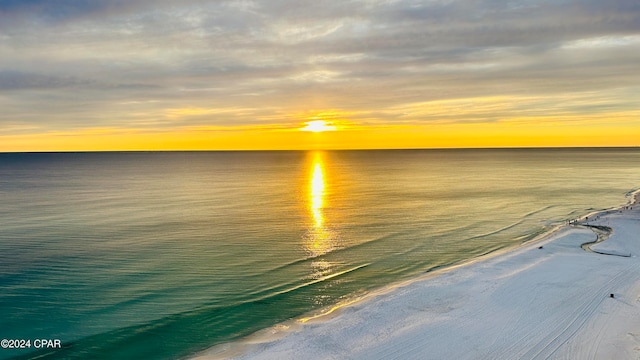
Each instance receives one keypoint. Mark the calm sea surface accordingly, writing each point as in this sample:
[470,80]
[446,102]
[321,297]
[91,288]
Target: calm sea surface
[160,255]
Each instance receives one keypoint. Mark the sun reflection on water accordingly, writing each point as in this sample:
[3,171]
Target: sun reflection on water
[317,193]
[319,240]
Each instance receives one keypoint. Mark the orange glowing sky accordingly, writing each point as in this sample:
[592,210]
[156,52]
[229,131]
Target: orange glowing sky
[248,75]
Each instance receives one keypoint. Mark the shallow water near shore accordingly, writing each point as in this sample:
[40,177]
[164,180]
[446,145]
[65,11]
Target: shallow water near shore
[161,255]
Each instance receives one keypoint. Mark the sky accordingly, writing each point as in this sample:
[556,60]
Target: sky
[224,75]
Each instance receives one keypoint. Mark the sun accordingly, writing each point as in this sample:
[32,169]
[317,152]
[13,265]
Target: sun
[318,126]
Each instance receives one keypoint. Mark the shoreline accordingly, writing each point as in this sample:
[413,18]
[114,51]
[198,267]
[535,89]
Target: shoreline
[299,337]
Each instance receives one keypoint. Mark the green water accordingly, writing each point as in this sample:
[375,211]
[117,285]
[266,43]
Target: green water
[161,255]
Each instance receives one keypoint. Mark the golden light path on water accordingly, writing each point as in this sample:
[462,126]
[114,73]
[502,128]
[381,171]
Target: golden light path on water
[319,239]
[322,237]
[317,193]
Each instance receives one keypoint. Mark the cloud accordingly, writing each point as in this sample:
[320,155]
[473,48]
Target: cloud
[15,80]
[54,11]
[75,64]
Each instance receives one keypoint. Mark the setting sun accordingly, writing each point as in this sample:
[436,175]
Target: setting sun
[318,126]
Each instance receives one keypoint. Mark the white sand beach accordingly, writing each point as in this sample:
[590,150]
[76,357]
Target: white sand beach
[549,299]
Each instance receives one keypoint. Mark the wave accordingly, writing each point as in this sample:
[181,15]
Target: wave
[510,226]
[189,331]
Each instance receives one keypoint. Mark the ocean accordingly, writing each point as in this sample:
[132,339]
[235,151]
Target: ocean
[159,255]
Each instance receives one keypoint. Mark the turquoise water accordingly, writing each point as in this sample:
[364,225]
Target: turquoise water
[160,255]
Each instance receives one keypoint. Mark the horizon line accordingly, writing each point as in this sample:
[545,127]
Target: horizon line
[340,149]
